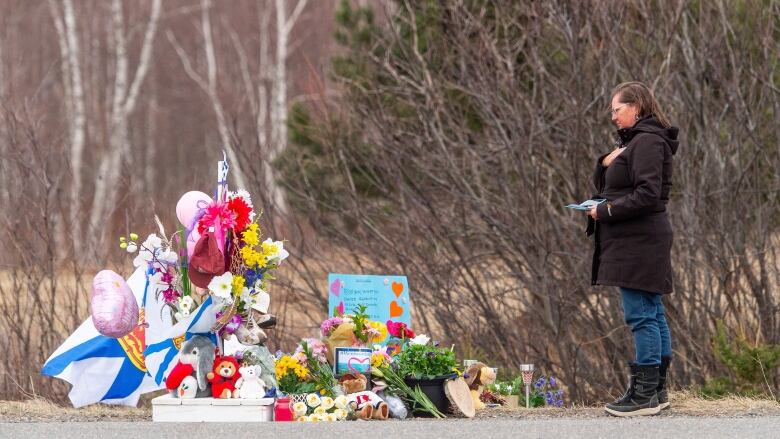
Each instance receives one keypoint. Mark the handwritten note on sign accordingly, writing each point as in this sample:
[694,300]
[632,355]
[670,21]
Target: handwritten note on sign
[385,297]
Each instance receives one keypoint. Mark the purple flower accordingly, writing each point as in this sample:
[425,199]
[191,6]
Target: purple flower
[559,403]
[552,381]
[329,325]
[170,295]
[559,393]
[540,383]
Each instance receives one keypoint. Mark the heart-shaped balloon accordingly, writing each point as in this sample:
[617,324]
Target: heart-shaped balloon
[113,307]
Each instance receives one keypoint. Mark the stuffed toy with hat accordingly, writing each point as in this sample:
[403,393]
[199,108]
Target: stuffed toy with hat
[365,403]
[478,375]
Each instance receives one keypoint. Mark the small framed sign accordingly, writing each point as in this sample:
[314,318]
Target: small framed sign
[351,360]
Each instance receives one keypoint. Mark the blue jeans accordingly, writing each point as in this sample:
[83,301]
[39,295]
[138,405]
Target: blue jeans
[644,313]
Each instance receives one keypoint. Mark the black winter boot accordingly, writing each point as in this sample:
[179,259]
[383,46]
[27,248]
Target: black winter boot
[643,400]
[631,383]
[663,395]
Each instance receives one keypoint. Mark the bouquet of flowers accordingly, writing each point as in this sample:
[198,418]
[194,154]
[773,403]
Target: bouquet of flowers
[218,251]
[352,330]
[321,408]
[293,377]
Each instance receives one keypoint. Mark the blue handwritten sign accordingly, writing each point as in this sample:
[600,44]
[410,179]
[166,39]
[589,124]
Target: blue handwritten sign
[385,297]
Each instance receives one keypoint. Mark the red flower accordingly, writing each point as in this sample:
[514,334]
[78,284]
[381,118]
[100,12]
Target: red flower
[243,212]
[399,330]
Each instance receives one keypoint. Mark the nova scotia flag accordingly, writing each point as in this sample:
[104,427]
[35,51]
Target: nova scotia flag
[104,369]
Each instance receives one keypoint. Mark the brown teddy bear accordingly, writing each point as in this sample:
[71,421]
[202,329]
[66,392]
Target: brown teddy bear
[478,375]
[223,377]
[365,403]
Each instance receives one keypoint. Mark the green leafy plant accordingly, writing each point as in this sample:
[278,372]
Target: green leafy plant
[750,364]
[415,397]
[514,387]
[422,361]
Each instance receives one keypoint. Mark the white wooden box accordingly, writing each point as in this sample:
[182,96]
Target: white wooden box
[166,408]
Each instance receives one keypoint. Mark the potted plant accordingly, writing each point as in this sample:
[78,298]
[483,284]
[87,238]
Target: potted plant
[427,367]
[509,390]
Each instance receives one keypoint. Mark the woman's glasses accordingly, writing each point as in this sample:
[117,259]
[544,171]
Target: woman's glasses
[615,110]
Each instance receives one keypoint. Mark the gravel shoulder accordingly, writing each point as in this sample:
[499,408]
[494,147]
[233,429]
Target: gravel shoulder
[684,405]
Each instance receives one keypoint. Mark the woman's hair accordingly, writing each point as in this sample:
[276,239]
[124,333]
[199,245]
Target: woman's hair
[640,95]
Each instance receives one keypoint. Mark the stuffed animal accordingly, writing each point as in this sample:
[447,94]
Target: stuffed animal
[365,403]
[176,378]
[188,388]
[477,377]
[196,357]
[223,377]
[250,386]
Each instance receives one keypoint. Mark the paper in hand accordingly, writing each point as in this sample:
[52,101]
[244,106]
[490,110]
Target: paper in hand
[586,205]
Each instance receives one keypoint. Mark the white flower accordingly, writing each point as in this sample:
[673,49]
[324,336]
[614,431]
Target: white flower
[222,286]
[341,402]
[299,408]
[186,303]
[132,247]
[246,297]
[144,257]
[420,339]
[168,257]
[313,400]
[303,418]
[315,418]
[320,410]
[341,414]
[330,417]
[327,403]
[152,242]
[280,253]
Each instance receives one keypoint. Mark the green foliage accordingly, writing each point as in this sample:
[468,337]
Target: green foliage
[290,384]
[751,364]
[425,361]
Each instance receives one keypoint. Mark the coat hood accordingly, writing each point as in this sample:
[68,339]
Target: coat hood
[650,125]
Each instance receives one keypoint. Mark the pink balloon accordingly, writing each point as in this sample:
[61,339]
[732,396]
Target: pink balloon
[188,206]
[113,306]
[192,239]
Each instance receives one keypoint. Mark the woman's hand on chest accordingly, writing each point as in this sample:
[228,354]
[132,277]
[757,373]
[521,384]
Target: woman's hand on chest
[611,156]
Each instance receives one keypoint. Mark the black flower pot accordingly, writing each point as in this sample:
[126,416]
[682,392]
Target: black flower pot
[434,390]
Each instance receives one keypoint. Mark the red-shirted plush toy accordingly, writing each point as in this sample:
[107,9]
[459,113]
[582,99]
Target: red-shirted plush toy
[223,377]
[177,375]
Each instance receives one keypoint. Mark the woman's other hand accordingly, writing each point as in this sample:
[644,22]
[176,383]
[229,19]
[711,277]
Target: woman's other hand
[608,159]
[592,213]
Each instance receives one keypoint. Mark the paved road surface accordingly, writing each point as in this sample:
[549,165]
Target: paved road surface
[699,428]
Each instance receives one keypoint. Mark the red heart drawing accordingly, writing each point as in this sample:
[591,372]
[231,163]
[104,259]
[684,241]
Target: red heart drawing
[395,309]
[398,289]
[357,360]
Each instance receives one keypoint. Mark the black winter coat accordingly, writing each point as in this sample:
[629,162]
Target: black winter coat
[633,233]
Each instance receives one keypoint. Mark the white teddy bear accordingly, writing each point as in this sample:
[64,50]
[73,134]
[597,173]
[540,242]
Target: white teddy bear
[250,386]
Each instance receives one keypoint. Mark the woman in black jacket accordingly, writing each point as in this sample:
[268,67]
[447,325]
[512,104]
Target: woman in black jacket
[634,238]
